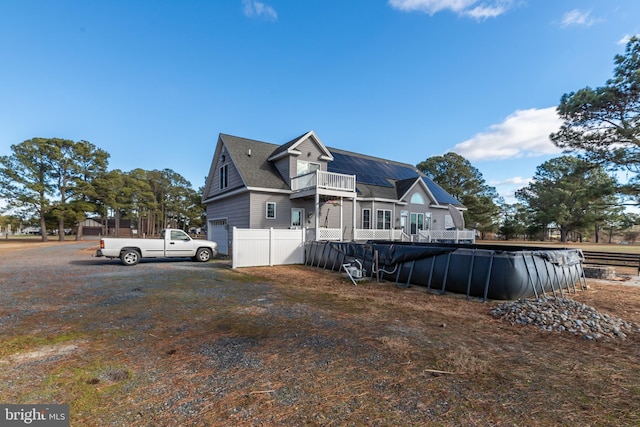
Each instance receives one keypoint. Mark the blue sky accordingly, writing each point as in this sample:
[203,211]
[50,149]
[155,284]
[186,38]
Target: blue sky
[155,82]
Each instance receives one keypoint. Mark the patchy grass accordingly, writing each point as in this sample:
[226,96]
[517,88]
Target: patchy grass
[191,344]
[24,343]
[87,388]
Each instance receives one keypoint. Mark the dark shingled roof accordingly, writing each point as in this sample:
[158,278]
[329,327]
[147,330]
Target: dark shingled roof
[254,169]
[403,186]
[375,177]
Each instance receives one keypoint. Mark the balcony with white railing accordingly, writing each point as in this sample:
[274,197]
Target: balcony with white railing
[323,182]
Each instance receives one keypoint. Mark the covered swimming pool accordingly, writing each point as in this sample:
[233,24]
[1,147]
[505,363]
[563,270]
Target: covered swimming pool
[486,271]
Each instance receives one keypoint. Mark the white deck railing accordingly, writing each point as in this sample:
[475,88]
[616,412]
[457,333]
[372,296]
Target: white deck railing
[363,234]
[324,180]
[330,234]
[454,236]
[335,234]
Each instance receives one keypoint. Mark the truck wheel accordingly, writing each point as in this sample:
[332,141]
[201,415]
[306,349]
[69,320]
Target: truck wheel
[130,257]
[203,255]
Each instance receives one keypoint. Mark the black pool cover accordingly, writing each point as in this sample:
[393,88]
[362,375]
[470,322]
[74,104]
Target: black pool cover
[491,272]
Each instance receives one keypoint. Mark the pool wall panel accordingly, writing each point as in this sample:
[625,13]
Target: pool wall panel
[490,272]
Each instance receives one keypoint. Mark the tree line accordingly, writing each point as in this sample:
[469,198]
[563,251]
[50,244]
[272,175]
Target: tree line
[62,182]
[577,193]
[567,194]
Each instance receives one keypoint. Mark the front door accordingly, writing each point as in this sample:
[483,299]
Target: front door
[404,216]
[417,222]
[297,218]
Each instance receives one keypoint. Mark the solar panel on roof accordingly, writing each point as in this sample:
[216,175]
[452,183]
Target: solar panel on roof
[439,193]
[370,171]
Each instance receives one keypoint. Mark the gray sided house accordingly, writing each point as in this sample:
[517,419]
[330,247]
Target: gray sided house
[333,194]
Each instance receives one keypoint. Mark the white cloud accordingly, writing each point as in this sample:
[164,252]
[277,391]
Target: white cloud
[472,8]
[507,187]
[524,133]
[577,18]
[626,38]
[516,180]
[253,8]
[483,12]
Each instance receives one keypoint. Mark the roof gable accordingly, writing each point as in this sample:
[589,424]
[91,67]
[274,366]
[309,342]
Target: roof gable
[407,186]
[290,148]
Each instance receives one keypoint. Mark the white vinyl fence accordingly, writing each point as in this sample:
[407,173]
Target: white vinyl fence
[271,246]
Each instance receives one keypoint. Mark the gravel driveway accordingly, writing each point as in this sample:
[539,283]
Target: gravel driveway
[181,343]
[174,342]
[60,307]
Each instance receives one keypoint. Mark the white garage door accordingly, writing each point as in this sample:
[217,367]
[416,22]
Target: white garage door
[219,229]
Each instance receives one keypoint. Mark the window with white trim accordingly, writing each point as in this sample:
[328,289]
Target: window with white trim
[297,216]
[366,219]
[383,219]
[417,199]
[224,176]
[271,210]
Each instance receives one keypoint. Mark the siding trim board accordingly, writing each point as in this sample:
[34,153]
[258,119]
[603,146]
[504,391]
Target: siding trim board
[268,190]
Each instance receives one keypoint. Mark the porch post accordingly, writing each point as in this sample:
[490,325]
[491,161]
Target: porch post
[317,214]
[353,228]
[374,219]
[341,211]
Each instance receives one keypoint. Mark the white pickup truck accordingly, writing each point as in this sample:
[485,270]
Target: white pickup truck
[174,243]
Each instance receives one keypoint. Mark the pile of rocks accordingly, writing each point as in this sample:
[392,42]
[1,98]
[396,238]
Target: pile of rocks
[565,315]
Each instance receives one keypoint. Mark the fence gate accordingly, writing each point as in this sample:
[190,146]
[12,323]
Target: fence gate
[257,247]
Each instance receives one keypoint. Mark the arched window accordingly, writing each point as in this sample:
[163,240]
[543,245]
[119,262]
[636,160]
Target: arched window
[417,199]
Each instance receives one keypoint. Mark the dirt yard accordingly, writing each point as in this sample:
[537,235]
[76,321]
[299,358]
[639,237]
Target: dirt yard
[181,343]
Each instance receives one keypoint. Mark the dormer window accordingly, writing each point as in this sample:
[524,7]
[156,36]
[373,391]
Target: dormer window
[305,167]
